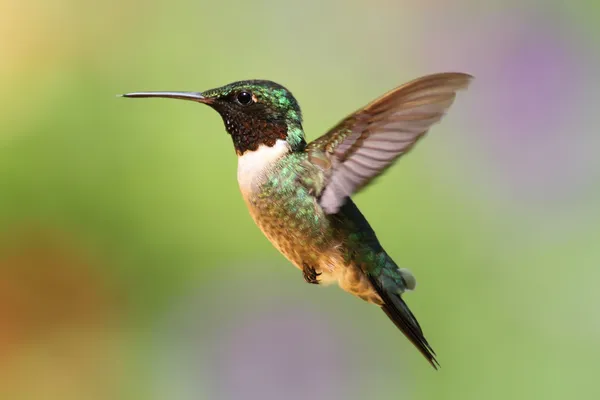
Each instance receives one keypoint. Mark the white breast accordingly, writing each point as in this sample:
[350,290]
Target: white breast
[252,165]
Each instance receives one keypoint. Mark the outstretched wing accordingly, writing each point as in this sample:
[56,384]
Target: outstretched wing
[368,141]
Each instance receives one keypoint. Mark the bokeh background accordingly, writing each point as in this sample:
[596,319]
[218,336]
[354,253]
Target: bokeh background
[130,268]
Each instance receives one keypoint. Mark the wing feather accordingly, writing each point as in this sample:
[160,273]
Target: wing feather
[368,141]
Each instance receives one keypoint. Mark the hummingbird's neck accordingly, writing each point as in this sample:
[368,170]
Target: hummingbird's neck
[254,164]
[256,134]
[295,136]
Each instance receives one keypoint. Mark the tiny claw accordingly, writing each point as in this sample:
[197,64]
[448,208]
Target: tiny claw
[310,275]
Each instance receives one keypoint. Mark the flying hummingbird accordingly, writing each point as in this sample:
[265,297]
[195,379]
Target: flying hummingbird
[299,193]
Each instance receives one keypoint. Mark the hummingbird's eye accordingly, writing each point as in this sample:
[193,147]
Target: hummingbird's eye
[244,98]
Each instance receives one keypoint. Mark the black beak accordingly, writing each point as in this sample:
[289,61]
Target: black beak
[192,96]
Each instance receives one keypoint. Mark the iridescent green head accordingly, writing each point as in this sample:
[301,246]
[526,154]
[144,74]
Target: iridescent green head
[255,112]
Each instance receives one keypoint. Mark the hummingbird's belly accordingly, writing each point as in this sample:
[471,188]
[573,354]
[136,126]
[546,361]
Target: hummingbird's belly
[300,243]
[323,250]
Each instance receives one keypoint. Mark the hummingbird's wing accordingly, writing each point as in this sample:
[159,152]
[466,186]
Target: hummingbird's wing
[368,141]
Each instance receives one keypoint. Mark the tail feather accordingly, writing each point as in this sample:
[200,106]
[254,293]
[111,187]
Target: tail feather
[397,310]
[389,282]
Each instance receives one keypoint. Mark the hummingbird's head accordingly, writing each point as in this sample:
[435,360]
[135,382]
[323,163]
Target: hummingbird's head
[255,112]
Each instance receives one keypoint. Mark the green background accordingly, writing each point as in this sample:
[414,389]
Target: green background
[130,268]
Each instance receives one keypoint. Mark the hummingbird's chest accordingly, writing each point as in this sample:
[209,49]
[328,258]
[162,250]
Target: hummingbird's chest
[271,182]
[255,167]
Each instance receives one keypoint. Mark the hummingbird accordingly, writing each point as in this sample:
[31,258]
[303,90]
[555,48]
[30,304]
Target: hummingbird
[299,193]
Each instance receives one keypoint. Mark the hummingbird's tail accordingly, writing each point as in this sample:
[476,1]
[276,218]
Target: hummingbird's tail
[397,310]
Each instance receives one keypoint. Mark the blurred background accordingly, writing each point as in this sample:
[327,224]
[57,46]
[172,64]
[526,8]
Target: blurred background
[130,268]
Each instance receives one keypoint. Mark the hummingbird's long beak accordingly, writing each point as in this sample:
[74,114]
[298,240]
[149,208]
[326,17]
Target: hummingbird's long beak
[193,96]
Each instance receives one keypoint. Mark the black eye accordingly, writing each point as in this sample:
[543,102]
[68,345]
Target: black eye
[244,98]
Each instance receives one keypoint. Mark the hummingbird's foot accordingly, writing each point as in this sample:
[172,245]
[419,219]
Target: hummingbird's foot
[310,275]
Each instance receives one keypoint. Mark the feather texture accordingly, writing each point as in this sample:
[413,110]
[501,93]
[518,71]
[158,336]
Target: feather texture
[368,141]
